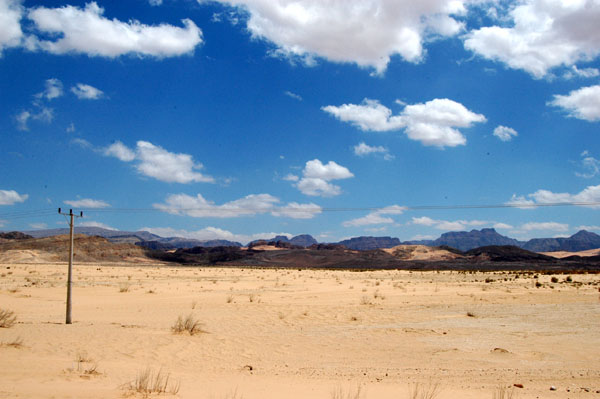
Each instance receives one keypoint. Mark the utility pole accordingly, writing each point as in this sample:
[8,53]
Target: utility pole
[70,274]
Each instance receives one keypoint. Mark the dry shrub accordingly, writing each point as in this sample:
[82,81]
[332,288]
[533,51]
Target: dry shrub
[340,393]
[427,391]
[189,324]
[504,392]
[149,381]
[15,343]
[7,318]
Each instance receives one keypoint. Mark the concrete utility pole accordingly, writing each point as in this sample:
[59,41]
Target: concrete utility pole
[70,274]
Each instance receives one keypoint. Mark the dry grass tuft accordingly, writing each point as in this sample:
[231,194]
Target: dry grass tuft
[7,318]
[124,287]
[16,343]
[427,391]
[340,393]
[148,382]
[504,392]
[190,324]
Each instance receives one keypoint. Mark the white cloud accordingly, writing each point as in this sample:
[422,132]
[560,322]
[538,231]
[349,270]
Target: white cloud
[589,195]
[376,217]
[293,95]
[210,233]
[22,118]
[432,123]
[295,210]
[92,223]
[10,24]
[366,33]
[541,226]
[316,177]
[420,237]
[250,205]
[503,226]
[505,133]
[520,201]
[155,2]
[541,35]
[588,228]
[38,226]
[154,161]
[119,151]
[54,89]
[291,177]
[448,225]
[87,203]
[590,165]
[85,30]
[581,73]
[11,197]
[362,149]
[70,128]
[581,104]
[87,92]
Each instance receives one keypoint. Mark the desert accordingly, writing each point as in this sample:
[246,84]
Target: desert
[295,333]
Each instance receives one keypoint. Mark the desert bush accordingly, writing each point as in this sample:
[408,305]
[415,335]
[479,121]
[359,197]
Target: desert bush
[503,392]
[340,393]
[7,318]
[124,287]
[189,324]
[427,391]
[148,382]
[554,279]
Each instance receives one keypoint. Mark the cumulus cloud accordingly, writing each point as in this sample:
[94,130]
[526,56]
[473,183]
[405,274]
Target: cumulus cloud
[590,196]
[22,118]
[250,205]
[362,149]
[119,151]
[433,123]
[380,216]
[590,165]
[155,2]
[366,33]
[552,226]
[447,225]
[87,31]
[505,133]
[210,233]
[11,197]
[53,89]
[293,95]
[88,203]
[11,35]
[541,35]
[154,161]
[583,103]
[575,72]
[316,178]
[92,223]
[87,92]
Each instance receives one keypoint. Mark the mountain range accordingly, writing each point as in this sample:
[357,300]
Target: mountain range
[462,240]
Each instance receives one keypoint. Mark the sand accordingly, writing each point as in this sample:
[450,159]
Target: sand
[297,334]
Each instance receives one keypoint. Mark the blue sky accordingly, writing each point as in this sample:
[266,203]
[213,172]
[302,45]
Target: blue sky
[243,119]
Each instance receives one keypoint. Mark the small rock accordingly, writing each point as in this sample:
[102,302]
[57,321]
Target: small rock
[553,388]
[518,385]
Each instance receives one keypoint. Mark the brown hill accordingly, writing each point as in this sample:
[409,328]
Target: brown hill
[421,252]
[56,249]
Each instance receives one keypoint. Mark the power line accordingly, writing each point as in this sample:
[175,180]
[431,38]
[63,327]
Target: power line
[257,210]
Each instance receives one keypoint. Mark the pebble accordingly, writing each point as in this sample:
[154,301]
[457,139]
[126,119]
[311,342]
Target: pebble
[553,388]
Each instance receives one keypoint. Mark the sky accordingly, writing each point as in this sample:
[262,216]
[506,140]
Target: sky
[243,119]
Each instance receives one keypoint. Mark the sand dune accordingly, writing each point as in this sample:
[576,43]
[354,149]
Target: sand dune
[421,252]
[297,334]
[565,254]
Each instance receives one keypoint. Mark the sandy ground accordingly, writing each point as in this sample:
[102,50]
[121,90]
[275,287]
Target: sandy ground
[298,334]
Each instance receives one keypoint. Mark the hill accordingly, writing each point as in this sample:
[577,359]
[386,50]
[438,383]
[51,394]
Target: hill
[580,241]
[466,240]
[368,243]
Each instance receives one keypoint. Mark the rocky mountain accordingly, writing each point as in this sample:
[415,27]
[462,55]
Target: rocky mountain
[466,240]
[580,241]
[303,240]
[94,231]
[14,235]
[368,243]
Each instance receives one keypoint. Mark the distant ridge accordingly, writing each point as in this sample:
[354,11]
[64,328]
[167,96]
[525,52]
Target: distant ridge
[461,240]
